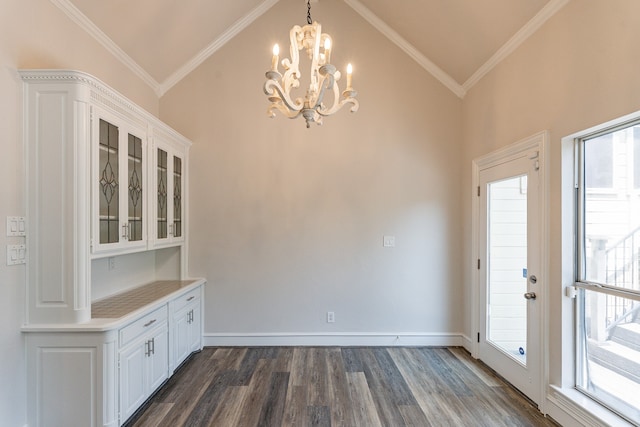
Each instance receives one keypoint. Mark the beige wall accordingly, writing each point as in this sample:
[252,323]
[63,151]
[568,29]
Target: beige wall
[35,34]
[579,70]
[287,223]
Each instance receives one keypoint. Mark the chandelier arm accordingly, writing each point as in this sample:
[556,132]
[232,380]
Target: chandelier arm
[327,82]
[271,87]
[338,105]
[291,114]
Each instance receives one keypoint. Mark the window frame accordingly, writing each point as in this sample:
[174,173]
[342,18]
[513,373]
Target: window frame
[581,284]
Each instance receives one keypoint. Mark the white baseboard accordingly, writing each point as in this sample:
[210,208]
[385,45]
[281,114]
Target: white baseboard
[467,343]
[334,339]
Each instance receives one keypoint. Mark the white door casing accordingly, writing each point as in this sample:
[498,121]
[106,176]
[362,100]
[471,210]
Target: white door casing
[524,364]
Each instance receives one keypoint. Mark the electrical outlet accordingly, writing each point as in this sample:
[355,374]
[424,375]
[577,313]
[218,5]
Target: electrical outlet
[389,241]
[112,263]
[331,317]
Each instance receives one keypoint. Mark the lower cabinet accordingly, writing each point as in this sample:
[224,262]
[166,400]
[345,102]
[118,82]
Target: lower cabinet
[143,360]
[187,326]
[89,375]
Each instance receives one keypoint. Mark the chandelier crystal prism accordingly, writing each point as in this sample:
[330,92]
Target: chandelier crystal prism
[324,77]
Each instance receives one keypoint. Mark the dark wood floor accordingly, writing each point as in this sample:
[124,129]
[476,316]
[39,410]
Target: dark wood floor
[334,386]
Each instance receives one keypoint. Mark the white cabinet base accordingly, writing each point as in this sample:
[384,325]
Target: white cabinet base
[72,379]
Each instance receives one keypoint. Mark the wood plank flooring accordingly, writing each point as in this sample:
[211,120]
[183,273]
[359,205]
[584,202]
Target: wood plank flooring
[336,386]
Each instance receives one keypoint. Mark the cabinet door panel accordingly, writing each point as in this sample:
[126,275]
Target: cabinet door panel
[180,337]
[162,208]
[135,175]
[195,331]
[132,380]
[158,362]
[109,182]
[177,196]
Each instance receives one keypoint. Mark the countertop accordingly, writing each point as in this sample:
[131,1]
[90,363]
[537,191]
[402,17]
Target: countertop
[117,310]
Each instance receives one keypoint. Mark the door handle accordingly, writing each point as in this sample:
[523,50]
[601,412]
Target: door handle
[530,295]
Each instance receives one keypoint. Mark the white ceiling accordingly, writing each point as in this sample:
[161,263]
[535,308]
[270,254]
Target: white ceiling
[458,41]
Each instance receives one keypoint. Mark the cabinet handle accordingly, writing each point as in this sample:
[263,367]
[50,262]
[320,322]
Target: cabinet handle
[153,346]
[150,322]
[146,348]
[190,298]
[124,231]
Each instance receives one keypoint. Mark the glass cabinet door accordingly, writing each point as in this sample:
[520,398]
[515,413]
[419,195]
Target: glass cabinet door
[169,187]
[135,215]
[177,196]
[108,159]
[120,171]
[162,208]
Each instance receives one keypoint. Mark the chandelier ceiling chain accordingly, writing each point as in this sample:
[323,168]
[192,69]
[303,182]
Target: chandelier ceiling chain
[323,77]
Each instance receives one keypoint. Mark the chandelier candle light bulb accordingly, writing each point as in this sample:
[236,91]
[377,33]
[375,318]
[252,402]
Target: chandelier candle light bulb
[274,60]
[324,77]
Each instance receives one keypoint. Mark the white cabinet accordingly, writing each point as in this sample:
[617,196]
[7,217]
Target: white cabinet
[186,330]
[169,187]
[91,188]
[119,183]
[143,360]
[96,165]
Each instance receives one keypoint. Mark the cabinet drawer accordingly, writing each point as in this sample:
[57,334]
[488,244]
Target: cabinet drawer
[143,324]
[186,299]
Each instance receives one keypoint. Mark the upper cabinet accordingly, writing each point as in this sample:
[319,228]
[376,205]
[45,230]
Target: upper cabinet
[169,164]
[104,178]
[120,182]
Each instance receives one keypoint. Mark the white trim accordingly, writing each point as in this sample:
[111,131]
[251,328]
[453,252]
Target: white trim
[407,48]
[86,24]
[572,408]
[214,46]
[459,90]
[467,342]
[518,38]
[400,339]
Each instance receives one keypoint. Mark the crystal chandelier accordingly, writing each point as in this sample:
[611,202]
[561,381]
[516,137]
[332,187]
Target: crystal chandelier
[324,77]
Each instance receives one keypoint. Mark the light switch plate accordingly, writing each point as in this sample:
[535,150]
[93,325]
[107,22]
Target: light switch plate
[16,254]
[16,226]
[389,241]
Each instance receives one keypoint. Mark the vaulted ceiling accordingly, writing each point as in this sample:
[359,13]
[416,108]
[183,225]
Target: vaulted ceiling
[458,41]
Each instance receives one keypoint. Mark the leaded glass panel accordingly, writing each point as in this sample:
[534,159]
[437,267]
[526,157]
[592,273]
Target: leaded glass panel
[162,194]
[177,196]
[135,188]
[108,183]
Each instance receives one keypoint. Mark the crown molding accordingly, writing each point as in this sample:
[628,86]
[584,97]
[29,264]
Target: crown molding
[86,24]
[518,38]
[205,53]
[407,47]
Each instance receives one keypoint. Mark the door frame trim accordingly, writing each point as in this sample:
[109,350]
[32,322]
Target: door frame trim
[537,142]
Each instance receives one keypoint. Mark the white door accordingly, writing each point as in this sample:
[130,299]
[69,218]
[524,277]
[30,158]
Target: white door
[510,298]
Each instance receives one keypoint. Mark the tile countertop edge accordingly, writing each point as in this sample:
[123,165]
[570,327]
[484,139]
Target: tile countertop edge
[108,324]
